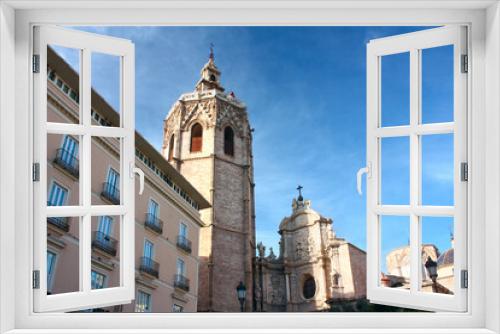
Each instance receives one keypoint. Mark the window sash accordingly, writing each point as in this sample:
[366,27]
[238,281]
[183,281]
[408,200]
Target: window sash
[413,42]
[84,297]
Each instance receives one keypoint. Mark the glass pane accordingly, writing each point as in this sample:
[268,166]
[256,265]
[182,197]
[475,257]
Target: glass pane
[63,255]
[63,172]
[395,252]
[106,173]
[437,254]
[395,89]
[63,84]
[437,169]
[105,251]
[437,84]
[105,89]
[395,170]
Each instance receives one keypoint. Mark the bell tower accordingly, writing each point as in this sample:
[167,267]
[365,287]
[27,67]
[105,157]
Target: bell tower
[208,139]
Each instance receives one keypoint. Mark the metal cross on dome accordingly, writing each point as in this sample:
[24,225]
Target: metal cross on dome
[299,188]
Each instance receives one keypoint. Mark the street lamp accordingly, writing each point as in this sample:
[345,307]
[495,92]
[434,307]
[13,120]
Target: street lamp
[431,267]
[241,291]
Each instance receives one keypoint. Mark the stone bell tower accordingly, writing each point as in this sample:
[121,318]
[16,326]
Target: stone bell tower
[207,138]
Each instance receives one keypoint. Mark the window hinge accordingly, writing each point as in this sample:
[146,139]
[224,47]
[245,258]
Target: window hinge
[464,171]
[465,64]
[36,172]
[36,279]
[464,279]
[36,63]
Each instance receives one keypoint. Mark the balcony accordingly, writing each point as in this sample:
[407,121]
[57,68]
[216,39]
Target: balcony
[153,223]
[59,222]
[184,243]
[149,266]
[111,193]
[104,242]
[68,161]
[181,282]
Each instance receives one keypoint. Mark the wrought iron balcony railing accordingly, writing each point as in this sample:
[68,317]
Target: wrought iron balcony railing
[111,193]
[153,223]
[59,222]
[181,282]
[68,161]
[184,243]
[149,266]
[104,242]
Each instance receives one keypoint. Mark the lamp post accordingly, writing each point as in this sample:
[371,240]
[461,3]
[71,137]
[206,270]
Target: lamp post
[431,267]
[241,291]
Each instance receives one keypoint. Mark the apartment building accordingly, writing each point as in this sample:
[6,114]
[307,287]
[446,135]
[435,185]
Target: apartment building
[167,217]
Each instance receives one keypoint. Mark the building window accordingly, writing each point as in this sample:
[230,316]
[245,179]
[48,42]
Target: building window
[51,263]
[171,148]
[67,155]
[153,208]
[105,224]
[58,195]
[181,267]
[143,302]
[309,288]
[113,181]
[148,249]
[98,280]
[111,189]
[196,138]
[183,231]
[229,141]
[177,308]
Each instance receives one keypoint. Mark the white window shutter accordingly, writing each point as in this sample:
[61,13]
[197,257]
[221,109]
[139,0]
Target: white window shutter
[86,44]
[412,295]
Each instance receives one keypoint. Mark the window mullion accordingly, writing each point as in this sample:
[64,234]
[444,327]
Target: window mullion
[414,169]
[85,162]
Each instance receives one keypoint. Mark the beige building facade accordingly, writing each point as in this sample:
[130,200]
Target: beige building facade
[397,273]
[314,268]
[207,137]
[167,216]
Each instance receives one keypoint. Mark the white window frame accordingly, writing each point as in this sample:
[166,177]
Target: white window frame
[15,173]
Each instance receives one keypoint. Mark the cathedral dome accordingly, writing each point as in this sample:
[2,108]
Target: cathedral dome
[446,258]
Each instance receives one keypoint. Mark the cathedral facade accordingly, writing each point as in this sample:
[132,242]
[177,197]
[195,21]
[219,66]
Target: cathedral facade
[208,139]
[314,268]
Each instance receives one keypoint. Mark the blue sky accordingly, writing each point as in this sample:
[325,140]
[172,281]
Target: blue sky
[305,89]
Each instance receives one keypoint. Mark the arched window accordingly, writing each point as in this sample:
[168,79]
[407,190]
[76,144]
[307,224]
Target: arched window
[171,148]
[196,137]
[309,288]
[229,141]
